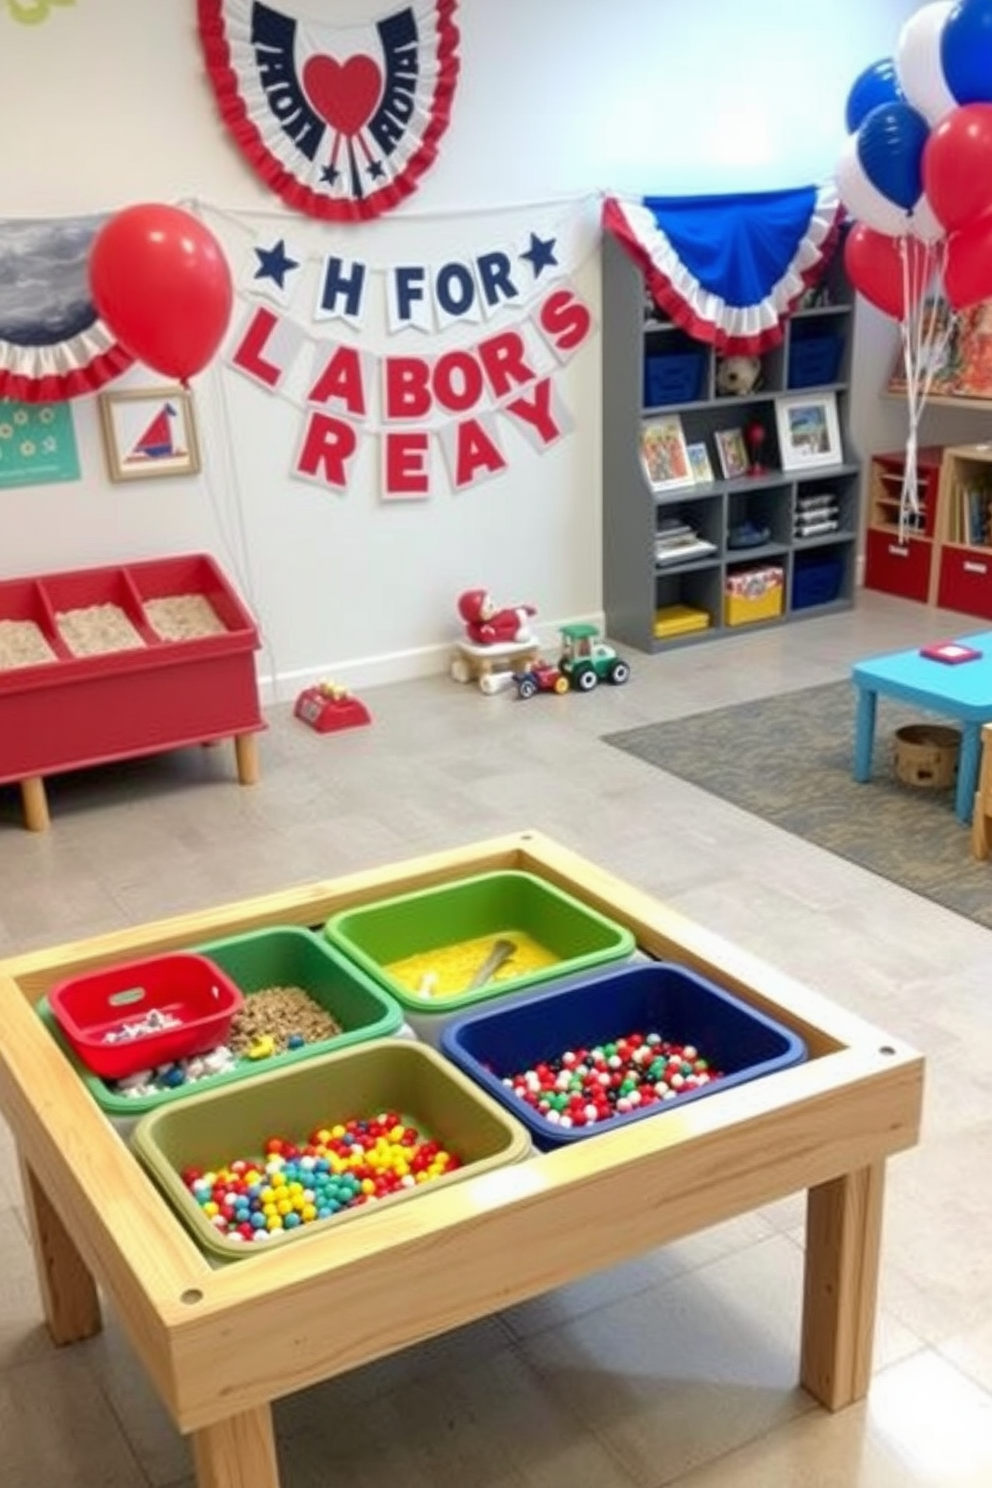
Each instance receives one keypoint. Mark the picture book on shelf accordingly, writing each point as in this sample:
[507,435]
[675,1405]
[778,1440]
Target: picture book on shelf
[732,453]
[664,453]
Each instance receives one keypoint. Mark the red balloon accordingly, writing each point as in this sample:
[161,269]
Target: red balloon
[877,265]
[968,269]
[160,280]
[957,165]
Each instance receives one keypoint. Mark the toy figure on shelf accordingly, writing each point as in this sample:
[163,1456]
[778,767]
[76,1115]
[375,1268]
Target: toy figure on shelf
[487,625]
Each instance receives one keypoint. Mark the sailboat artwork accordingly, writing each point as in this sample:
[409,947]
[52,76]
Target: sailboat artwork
[149,432]
[158,442]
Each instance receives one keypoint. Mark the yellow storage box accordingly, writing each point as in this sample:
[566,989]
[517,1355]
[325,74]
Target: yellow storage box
[753,594]
[674,620]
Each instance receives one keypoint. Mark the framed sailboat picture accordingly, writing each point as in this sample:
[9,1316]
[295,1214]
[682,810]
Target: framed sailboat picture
[149,432]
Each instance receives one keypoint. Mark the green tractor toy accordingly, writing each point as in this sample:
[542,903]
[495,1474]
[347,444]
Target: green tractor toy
[586,659]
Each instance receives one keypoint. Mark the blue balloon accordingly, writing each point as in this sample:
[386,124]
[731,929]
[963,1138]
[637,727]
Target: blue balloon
[966,51]
[890,148]
[878,84]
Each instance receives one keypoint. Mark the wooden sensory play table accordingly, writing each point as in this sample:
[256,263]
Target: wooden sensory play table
[222,1343]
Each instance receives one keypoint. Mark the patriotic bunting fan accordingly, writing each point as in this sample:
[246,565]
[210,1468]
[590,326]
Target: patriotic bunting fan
[53,344]
[730,269]
[341,121]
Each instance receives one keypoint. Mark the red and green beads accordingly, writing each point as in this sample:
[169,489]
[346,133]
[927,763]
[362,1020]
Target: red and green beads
[583,1087]
[338,1167]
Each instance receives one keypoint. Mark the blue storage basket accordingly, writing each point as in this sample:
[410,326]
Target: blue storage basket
[672,1000]
[816,583]
[676,378]
[814,361]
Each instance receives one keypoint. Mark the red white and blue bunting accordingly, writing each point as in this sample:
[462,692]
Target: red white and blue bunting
[340,121]
[730,269]
[53,345]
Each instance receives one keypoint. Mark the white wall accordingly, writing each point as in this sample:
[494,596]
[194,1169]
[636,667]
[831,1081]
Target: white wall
[107,104]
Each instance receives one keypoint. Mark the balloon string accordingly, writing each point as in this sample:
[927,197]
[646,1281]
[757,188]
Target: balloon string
[927,328]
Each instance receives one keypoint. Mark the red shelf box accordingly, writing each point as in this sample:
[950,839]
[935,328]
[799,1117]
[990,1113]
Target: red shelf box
[74,710]
[966,581]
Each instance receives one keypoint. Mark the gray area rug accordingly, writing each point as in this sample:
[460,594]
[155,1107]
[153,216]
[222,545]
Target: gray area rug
[787,759]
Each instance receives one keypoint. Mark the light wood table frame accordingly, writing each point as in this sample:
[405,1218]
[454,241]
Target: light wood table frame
[222,1343]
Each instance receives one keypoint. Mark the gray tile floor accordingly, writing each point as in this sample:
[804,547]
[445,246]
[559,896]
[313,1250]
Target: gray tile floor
[681,1366]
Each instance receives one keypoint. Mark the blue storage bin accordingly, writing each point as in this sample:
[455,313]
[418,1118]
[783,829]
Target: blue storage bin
[676,378]
[816,583]
[814,361]
[682,1006]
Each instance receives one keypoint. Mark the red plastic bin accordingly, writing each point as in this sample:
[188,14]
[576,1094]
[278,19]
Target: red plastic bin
[184,984]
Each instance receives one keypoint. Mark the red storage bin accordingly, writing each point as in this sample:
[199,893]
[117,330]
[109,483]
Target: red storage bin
[900,568]
[183,985]
[966,581]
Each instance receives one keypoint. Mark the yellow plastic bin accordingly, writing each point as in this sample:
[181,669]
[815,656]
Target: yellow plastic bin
[212,1130]
[431,949]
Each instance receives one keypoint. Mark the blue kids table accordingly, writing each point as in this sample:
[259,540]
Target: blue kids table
[962,691]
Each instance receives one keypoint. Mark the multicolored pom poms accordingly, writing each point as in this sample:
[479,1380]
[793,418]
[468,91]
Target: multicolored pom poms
[584,1087]
[338,1167]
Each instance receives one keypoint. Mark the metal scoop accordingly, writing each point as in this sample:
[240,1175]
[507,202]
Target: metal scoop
[502,951]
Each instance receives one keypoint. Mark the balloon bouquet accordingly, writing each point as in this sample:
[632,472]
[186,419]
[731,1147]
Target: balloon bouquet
[161,283]
[916,175]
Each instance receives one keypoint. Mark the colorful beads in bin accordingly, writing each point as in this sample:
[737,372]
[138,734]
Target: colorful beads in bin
[138,1014]
[338,1167]
[418,1098]
[584,1087]
[678,1012]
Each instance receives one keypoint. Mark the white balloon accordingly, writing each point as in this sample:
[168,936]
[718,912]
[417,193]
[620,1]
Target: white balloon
[923,224]
[918,64]
[863,200]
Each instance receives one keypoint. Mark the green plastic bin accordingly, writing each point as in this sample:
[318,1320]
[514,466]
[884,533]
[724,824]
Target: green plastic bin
[487,905]
[281,956]
[212,1129]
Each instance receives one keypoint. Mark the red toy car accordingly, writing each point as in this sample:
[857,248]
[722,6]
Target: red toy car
[541,677]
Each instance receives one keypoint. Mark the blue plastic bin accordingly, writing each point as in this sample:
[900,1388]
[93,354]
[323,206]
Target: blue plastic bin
[816,582]
[814,361]
[676,378]
[654,996]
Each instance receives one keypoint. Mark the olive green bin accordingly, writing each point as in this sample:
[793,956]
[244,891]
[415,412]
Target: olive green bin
[214,1128]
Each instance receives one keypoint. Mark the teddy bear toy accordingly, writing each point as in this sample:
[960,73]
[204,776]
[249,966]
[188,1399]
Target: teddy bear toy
[736,376]
[488,625]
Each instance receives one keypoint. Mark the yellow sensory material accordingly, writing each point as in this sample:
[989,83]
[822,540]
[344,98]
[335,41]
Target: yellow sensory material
[446,971]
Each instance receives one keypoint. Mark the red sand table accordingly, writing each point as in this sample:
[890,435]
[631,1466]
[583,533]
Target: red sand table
[76,711]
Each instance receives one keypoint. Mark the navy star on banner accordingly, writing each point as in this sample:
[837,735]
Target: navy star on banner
[275,263]
[540,254]
[339,121]
[730,269]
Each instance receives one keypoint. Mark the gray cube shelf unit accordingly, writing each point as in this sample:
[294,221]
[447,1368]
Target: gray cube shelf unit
[818,570]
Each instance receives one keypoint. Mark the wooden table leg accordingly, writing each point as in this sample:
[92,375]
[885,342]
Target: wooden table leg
[34,804]
[246,754]
[982,806]
[843,1242]
[237,1453]
[68,1291]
